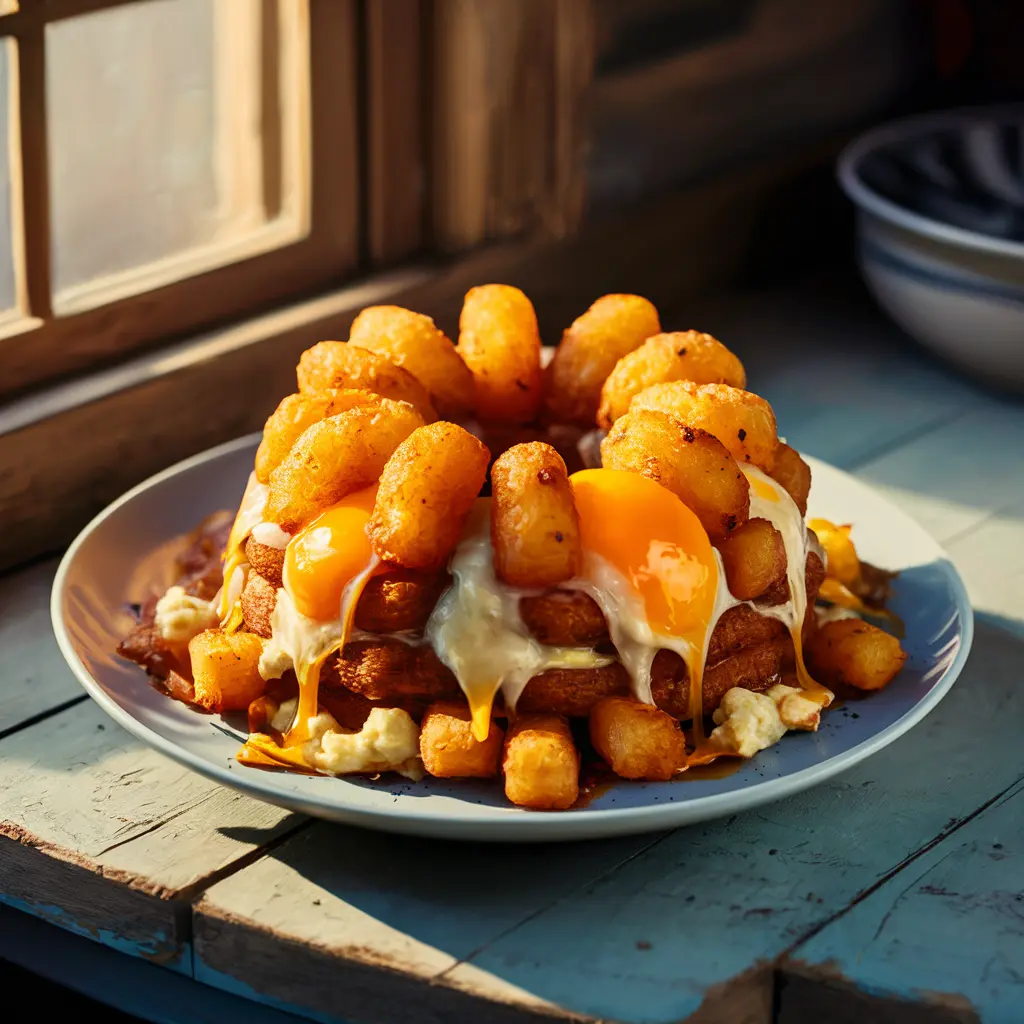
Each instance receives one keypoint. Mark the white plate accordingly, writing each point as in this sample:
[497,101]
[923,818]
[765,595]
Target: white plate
[125,551]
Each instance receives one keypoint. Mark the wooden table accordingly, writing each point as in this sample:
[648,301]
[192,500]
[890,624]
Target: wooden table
[892,892]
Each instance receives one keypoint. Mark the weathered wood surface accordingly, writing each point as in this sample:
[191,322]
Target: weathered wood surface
[34,678]
[106,838]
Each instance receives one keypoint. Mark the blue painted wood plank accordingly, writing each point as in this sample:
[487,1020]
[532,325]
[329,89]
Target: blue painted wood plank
[125,983]
[707,903]
[951,922]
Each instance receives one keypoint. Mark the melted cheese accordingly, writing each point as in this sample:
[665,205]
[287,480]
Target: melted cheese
[770,500]
[476,630]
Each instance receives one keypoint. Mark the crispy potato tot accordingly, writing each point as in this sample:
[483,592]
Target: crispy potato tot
[295,414]
[335,457]
[500,343]
[340,365]
[692,464]
[401,599]
[742,421]
[854,653]
[794,474]
[427,490]
[226,670]
[448,748]
[265,560]
[564,618]
[534,526]
[684,355]
[411,340]
[541,763]
[637,740]
[754,557]
[258,600]
[842,561]
[588,352]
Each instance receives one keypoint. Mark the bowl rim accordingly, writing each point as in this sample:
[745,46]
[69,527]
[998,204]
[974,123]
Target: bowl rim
[847,171]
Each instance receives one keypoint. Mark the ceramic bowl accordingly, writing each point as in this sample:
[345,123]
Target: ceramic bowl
[940,233]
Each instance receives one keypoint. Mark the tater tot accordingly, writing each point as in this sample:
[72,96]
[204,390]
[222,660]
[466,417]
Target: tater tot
[541,763]
[854,653]
[226,670]
[412,341]
[535,530]
[500,343]
[399,599]
[258,600]
[754,557]
[294,415]
[742,421]
[426,492]
[588,352]
[450,751]
[637,740]
[684,355]
[338,365]
[335,457]
[794,474]
[688,461]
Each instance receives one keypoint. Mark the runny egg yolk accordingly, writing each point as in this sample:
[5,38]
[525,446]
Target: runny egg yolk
[326,566]
[326,555]
[657,544]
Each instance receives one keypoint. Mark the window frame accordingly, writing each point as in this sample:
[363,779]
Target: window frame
[264,269]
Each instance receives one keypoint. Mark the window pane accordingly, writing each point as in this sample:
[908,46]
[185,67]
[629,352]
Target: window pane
[7,288]
[153,119]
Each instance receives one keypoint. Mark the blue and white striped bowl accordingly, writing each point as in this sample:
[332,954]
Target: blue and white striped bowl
[940,233]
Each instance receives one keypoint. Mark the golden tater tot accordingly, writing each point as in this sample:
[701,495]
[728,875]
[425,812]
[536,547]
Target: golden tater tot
[637,740]
[854,653]
[689,462]
[500,343]
[411,340]
[541,763]
[842,561]
[754,557]
[794,474]
[226,670]
[450,751]
[335,457]
[742,421]
[588,352]
[295,414]
[338,365]
[684,355]
[426,492]
[535,530]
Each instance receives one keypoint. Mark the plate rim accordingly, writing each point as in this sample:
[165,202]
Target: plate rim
[497,824]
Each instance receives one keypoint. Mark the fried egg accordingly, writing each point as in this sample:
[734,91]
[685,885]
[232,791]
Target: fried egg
[249,516]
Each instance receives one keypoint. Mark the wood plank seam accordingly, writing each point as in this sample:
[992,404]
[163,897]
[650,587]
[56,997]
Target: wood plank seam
[42,716]
[950,830]
[904,439]
[194,892]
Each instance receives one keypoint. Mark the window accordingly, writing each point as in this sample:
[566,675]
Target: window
[167,165]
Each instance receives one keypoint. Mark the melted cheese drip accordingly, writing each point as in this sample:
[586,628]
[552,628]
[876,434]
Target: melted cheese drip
[476,630]
[770,500]
[249,515]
